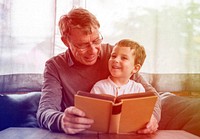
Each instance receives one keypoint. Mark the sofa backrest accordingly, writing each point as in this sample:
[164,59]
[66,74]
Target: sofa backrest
[14,83]
[161,82]
[174,82]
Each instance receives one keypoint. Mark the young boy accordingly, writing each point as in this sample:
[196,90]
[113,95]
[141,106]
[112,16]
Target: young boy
[126,59]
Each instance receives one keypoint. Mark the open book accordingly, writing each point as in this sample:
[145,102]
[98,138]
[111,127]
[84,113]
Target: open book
[122,114]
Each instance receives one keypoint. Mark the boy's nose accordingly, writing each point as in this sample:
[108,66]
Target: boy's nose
[116,60]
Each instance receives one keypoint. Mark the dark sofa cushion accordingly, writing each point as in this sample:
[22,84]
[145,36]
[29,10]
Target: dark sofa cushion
[19,110]
[180,113]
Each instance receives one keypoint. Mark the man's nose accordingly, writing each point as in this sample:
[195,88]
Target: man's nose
[91,47]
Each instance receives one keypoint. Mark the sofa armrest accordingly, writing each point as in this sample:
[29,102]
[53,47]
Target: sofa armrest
[180,113]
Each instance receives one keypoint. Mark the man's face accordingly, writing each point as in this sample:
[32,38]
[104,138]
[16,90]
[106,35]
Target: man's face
[85,47]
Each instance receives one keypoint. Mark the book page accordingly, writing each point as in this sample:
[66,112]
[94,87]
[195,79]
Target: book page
[97,96]
[97,109]
[136,113]
[135,95]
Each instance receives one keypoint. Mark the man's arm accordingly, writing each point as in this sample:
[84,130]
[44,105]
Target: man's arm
[49,114]
[49,111]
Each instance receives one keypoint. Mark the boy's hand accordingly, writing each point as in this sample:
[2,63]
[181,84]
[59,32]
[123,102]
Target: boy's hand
[151,127]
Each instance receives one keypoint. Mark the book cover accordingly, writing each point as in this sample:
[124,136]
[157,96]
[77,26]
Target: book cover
[122,114]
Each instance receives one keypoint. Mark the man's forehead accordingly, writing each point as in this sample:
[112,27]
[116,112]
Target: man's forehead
[82,35]
[84,31]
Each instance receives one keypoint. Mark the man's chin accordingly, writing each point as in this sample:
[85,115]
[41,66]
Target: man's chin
[90,62]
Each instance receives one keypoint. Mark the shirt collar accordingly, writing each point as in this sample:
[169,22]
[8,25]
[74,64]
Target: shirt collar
[116,86]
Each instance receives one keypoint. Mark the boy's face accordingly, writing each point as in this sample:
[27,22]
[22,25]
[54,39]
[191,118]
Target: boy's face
[121,63]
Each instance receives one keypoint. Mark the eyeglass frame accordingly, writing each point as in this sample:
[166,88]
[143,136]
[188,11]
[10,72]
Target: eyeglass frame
[100,39]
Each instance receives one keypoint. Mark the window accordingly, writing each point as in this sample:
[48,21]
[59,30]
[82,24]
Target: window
[168,29]
[26,35]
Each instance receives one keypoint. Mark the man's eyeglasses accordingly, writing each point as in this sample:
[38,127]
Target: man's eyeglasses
[84,47]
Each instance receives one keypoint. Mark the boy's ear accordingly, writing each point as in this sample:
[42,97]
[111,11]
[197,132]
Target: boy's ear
[65,41]
[136,68]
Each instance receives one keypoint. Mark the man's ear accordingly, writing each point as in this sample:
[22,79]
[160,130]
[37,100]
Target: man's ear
[136,68]
[65,41]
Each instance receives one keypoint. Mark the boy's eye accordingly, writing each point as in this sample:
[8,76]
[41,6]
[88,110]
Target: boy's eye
[124,58]
[113,56]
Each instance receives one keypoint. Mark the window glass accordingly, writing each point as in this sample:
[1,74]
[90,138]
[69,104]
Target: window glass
[26,35]
[62,7]
[168,29]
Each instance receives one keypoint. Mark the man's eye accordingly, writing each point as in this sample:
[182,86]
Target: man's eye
[97,41]
[83,46]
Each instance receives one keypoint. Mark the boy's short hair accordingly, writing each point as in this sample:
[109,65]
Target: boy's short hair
[139,52]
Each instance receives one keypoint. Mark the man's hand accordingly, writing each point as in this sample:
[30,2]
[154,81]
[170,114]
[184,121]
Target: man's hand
[151,127]
[74,121]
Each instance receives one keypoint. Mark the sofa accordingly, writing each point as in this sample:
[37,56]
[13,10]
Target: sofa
[179,93]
